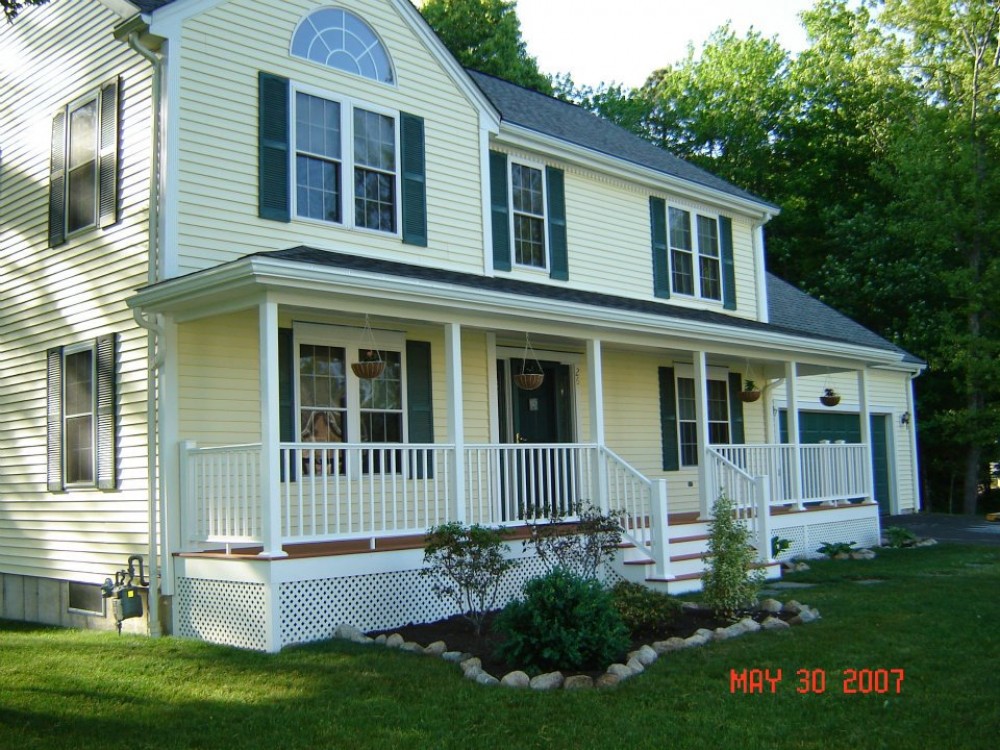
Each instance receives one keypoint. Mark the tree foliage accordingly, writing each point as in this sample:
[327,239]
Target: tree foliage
[486,35]
[11,8]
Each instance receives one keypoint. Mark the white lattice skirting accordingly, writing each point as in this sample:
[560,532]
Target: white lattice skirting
[860,527]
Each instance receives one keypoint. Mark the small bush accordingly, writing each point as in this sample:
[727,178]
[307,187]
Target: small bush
[832,549]
[643,610]
[581,547]
[779,545]
[897,536]
[731,583]
[466,566]
[563,622]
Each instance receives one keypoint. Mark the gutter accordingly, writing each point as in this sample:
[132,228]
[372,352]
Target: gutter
[131,31]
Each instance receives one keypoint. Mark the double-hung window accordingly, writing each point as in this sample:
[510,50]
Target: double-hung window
[338,142]
[79,408]
[695,262]
[717,392]
[528,215]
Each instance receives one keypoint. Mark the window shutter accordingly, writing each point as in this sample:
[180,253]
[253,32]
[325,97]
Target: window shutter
[419,401]
[728,266]
[736,433]
[273,139]
[558,249]
[108,154]
[286,392]
[500,211]
[107,378]
[53,418]
[658,230]
[414,180]
[57,181]
[668,420]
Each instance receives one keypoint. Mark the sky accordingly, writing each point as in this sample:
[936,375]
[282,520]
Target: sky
[624,41]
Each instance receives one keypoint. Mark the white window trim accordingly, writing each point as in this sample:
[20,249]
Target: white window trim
[347,107]
[69,351]
[696,255]
[718,374]
[540,166]
[349,339]
[392,64]
[92,96]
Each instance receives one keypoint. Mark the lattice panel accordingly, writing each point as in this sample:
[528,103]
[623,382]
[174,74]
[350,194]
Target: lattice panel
[225,612]
[807,539]
[312,610]
[797,536]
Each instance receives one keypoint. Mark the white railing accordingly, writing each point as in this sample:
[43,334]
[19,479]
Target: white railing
[222,494]
[332,491]
[827,472]
[750,496]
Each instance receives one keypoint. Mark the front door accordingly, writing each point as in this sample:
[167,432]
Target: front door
[543,475]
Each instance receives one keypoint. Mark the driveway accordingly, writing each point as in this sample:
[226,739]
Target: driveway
[948,528]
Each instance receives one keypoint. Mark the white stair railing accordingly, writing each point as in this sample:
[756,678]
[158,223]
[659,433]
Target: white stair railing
[750,496]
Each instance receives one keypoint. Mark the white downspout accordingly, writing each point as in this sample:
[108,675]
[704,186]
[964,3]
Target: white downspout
[154,339]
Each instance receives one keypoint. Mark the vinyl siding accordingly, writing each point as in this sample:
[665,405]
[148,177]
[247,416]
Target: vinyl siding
[221,53]
[66,295]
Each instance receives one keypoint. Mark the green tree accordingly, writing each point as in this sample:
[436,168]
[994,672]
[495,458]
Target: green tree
[486,35]
[12,7]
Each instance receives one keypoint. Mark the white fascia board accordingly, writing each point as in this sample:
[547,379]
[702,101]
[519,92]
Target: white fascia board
[179,11]
[238,283]
[517,136]
[121,8]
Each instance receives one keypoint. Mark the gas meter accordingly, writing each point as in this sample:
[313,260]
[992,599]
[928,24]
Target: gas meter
[125,595]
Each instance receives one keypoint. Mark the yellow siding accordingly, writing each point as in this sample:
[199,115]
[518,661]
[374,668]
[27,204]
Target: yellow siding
[73,293]
[221,53]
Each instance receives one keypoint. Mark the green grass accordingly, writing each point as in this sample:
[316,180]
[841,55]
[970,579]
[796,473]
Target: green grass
[935,614]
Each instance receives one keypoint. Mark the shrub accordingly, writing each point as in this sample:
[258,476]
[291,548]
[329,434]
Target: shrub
[779,545]
[643,610]
[897,536]
[731,583]
[563,622]
[581,547]
[832,549]
[466,565]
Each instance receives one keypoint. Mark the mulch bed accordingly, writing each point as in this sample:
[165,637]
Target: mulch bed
[458,634]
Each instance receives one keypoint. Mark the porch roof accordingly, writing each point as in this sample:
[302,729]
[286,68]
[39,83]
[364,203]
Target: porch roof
[796,318]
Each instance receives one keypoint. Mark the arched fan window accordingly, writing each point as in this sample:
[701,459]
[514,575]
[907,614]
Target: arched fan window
[339,39]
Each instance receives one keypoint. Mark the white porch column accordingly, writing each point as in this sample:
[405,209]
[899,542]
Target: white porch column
[595,398]
[791,388]
[701,425]
[456,416]
[866,431]
[270,431]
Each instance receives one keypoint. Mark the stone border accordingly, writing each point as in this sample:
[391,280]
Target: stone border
[635,663]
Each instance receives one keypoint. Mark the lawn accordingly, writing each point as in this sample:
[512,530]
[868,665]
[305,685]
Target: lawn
[934,615]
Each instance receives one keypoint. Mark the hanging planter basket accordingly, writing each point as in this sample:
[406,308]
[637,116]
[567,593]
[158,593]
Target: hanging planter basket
[829,398]
[371,365]
[748,397]
[531,375]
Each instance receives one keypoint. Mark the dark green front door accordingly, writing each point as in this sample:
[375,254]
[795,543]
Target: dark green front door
[814,427]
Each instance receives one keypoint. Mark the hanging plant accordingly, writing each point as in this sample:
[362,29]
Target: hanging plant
[830,397]
[750,392]
[370,365]
[531,376]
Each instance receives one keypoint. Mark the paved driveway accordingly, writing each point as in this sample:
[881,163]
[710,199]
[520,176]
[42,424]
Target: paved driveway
[948,528]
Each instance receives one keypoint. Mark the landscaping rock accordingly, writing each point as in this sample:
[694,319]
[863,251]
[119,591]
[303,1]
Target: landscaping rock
[671,644]
[483,678]
[749,624]
[926,543]
[456,657]
[381,639]
[621,671]
[704,632]
[436,649]
[350,633]
[721,634]
[635,665]
[773,623]
[579,682]
[473,673]
[412,647]
[806,615]
[697,639]
[516,679]
[547,681]
[607,680]
[770,605]
[863,554]
[394,641]
[792,607]
[646,655]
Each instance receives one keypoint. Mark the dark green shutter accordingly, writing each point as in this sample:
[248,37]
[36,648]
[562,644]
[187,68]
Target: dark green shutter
[107,379]
[668,420]
[286,393]
[53,418]
[658,230]
[500,211]
[411,130]
[736,433]
[57,181]
[419,401]
[728,267]
[273,140]
[556,199]
[108,157]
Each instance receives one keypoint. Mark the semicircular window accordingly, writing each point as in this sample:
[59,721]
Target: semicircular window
[339,39]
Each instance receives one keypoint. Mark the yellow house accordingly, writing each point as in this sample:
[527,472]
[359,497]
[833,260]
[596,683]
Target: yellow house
[284,286]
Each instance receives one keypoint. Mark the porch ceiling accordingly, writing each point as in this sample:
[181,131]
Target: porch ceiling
[307,277]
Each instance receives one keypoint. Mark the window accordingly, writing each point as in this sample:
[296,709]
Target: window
[718,417]
[528,203]
[332,137]
[83,178]
[695,263]
[339,39]
[80,418]
[86,598]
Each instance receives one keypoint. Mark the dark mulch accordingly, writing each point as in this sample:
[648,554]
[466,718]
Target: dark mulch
[458,634]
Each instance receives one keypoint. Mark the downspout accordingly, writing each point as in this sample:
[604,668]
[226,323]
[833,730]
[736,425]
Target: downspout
[154,338]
